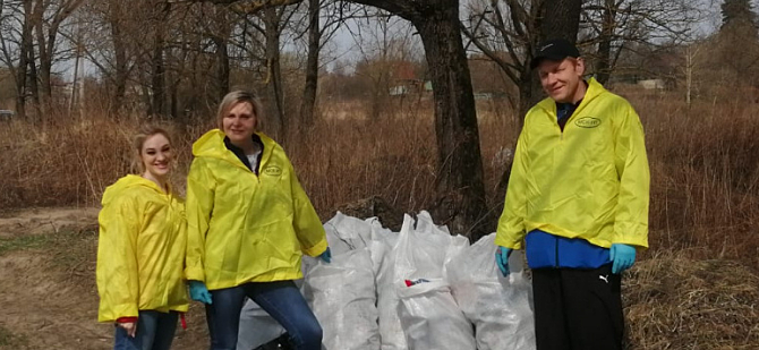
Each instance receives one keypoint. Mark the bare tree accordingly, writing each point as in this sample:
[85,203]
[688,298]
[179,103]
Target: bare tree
[385,43]
[49,16]
[507,31]
[461,193]
[612,26]
[13,51]
[320,30]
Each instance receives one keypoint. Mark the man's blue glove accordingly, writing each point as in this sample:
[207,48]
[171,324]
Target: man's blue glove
[502,259]
[622,257]
[326,256]
[199,292]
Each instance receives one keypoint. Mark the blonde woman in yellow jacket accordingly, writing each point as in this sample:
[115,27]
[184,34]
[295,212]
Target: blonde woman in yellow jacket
[141,251]
[249,223]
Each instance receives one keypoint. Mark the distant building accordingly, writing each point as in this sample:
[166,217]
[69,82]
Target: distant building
[6,114]
[652,84]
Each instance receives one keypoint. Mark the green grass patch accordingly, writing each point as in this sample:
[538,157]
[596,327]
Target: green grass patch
[24,242]
[9,340]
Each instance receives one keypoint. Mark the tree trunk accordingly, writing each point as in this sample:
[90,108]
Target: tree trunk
[461,194]
[45,57]
[158,75]
[222,66]
[120,57]
[157,60]
[275,115]
[604,45]
[31,62]
[22,72]
[312,65]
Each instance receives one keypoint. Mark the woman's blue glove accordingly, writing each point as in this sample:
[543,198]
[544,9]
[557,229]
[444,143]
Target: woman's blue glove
[199,292]
[326,256]
[622,257]
[502,259]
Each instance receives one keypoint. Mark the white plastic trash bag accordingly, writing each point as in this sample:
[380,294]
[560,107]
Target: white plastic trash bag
[342,296]
[431,319]
[256,327]
[500,308]
[346,233]
[391,331]
[421,250]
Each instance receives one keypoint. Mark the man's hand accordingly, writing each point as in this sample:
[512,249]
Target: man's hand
[502,259]
[622,256]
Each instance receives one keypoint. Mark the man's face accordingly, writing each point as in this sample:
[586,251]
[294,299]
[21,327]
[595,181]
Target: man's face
[561,79]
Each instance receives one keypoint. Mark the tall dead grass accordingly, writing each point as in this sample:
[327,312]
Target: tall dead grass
[704,162]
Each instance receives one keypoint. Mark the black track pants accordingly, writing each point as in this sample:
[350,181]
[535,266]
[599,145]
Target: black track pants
[578,309]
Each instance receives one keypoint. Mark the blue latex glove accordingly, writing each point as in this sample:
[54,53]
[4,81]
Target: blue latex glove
[326,256]
[199,292]
[622,256]
[502,259]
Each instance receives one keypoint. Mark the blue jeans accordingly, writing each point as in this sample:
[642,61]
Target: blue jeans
[281,299]
[155,331]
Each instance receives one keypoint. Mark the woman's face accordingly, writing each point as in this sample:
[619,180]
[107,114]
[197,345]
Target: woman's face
[156,156]
[239,123]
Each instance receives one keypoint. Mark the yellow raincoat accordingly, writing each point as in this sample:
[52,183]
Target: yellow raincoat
[590,181]
[141,250]
[244,227]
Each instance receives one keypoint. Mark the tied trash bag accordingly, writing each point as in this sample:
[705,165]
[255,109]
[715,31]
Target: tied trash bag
[499,307]
[427,249]
[391,331]
[346,233]
[256,327]
[342,296]
[421,250]
[431,319]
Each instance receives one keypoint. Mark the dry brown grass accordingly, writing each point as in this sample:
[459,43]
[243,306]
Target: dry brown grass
[704,162]
[676,302]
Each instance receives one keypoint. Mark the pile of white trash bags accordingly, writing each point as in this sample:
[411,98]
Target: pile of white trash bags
[418,289]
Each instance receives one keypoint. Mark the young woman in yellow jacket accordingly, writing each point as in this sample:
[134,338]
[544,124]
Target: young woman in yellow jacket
[249,223]
[141,250]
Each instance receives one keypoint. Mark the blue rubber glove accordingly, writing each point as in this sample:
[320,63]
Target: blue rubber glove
[622,256]
[502,259]
[326,256]
[199,292]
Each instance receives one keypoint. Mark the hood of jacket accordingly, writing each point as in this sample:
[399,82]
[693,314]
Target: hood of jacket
[114,191]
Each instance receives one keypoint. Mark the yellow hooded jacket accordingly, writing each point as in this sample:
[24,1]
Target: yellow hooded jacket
[141,250]
[590,181]
[244,227]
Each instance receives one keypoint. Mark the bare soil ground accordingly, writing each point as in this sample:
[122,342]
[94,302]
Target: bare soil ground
[48,297]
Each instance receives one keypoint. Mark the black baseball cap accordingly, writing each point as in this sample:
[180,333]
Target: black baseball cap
[554,50]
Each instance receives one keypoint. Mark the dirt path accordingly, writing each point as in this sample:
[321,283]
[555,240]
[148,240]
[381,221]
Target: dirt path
[45,220]
[41,310]
[48,297]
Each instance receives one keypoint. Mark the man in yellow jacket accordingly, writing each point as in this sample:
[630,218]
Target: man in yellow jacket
[578,201]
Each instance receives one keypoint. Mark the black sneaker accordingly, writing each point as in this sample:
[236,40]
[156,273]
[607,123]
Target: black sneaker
[281,343]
